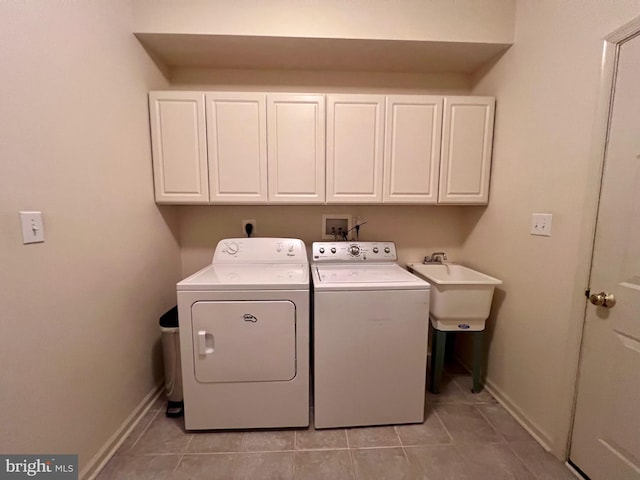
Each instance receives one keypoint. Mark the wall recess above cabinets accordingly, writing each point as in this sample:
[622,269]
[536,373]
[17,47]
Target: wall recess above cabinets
[263,148]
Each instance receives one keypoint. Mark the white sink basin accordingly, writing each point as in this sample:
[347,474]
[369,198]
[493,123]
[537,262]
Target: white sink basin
[460,296]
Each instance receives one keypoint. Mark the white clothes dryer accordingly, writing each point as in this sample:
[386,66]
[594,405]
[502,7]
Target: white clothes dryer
[370,325]
[244,336]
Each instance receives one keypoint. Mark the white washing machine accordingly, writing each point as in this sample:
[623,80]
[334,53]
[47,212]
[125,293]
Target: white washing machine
[244,336]
[370,325]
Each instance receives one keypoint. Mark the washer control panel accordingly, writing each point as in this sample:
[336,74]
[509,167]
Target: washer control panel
[354,252]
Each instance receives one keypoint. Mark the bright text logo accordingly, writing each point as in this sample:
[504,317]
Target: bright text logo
[50,467]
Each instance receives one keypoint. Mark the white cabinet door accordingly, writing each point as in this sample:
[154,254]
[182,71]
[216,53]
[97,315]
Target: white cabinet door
[355,125]
[467,136]
[413,130]
[237,147]
[296,146]
[178,143]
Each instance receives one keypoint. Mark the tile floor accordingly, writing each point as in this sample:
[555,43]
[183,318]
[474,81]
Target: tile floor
[464,436]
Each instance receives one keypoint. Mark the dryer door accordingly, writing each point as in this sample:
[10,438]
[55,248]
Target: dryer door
[244,341]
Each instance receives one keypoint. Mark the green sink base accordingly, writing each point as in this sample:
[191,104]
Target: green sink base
[438,347]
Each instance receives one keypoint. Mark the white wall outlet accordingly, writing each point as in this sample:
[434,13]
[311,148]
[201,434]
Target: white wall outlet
[541,224]
[334,225]
[253,224]
[32,227]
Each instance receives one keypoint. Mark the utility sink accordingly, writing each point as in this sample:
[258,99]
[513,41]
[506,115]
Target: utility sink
[460,296]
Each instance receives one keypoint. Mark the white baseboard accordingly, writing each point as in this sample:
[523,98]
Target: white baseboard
[518,416]
[504,400]
[100,459]
[574,471]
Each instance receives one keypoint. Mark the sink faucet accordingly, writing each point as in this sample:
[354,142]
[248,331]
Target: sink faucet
[436,257]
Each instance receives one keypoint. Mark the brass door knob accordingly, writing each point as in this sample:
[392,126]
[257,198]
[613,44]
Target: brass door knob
[603,299]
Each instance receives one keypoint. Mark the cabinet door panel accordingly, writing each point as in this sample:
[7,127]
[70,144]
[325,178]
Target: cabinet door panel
[296,146]
[466,149]
[413,130]
[355,126]
[237,145]
[179,147]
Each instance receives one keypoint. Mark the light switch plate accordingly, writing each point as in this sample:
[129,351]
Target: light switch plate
[32,227]
[541,224]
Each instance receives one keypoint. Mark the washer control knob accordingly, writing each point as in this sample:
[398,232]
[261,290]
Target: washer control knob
[232,248]
[333,249]
[387,250]
[354,250]
[375,250]
[291,247]
[321,250]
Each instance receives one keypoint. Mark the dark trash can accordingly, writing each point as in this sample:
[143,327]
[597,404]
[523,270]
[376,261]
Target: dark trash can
[172,368]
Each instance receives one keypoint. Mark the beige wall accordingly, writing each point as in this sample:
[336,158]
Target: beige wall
[79,313]
[546,87]
[79,337]
[320,82]
[417,230]
[433,20]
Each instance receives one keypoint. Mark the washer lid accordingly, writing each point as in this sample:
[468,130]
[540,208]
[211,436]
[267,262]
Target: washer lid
[365,277]
[275,276]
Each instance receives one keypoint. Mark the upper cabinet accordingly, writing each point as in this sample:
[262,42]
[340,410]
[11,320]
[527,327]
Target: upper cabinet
[467,140]
[256,148]
[296,148]
[237,147]
[355,128]
[178,131]
[213,147]
[413,129]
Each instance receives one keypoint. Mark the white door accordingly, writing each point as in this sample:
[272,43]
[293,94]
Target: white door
[296,139]
[467,138]
[413,129]
[355,125]
[179,148]
[606,434]
[237,146]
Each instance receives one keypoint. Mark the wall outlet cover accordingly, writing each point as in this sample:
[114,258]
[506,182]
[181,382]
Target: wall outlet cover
[541,224]
[253,223]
